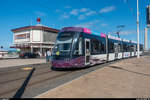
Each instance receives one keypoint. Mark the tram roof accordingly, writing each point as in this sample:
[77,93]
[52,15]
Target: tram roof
[113,37]
[85,30]
[88,31]
[124,40]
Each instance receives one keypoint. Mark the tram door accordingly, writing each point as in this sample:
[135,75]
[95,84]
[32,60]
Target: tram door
[116,50]
[87,52]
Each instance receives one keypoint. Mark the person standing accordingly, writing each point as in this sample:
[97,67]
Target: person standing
[48,54]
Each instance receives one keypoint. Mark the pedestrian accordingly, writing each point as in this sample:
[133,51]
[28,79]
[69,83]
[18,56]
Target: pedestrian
[48,55]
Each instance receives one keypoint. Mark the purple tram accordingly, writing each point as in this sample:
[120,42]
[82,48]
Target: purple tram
[78,47]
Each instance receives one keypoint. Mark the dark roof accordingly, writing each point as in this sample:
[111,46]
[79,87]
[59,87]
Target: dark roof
[35,27]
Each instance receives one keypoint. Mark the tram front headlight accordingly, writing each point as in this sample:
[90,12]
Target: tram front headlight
[57,53]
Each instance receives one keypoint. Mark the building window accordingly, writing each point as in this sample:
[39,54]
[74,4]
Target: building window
[22,36]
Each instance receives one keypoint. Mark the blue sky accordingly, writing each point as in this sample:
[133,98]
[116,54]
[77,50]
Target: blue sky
[98,15]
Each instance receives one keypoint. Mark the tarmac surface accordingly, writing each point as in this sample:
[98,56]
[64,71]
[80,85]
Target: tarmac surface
[129,78]
[27,81]
[18,62]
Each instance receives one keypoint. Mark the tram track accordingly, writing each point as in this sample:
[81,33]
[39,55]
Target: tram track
[34,82]
[44,76]
[24,77]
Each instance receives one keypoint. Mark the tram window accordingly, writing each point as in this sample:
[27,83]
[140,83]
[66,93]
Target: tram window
[78,49]
[128,48]
[119,47]
[111,47]
[80,46]
[95,44]
[141,47]
[125,47]
[102,50]
[97,47]
[132,48]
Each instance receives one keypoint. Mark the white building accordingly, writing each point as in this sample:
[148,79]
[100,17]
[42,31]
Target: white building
[34,38]
[3,53]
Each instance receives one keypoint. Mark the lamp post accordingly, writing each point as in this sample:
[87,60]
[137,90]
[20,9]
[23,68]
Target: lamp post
[138,56]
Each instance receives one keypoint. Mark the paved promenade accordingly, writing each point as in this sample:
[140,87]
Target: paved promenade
[128,78]
[18,62]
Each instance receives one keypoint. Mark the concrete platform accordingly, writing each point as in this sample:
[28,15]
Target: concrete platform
[128,78]
[17,62]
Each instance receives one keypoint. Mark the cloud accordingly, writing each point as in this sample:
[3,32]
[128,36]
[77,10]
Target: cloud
[65,16]
[84,15]
[90,13]
[84,9]
[128,32]
[81,17]
[74,12]
[67,7]
[39,13]
[103,25]
[125,1]
[80,14]
[57,10]
[84,12]
[107,9]
[88,24]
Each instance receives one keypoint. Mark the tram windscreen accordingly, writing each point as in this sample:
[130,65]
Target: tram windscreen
[63,43]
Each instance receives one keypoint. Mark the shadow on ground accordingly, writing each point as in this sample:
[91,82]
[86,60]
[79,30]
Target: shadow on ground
[143,74]
[21,90]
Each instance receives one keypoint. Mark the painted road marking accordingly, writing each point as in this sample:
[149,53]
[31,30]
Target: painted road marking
[27,68]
